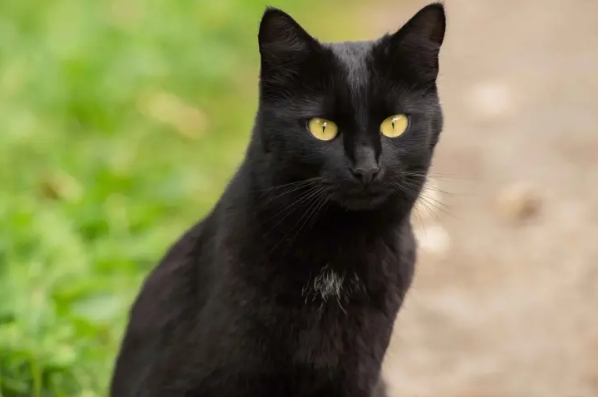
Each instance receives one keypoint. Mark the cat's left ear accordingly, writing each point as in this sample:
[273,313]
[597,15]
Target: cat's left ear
[420,39]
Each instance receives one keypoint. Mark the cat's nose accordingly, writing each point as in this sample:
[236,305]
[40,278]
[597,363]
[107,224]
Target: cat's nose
[366,175]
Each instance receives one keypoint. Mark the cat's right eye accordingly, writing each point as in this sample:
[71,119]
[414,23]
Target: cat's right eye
[324,130]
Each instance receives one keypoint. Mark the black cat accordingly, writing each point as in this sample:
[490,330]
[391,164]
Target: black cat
[291,285]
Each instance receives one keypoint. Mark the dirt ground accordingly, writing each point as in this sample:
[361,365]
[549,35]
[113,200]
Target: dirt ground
[505,301]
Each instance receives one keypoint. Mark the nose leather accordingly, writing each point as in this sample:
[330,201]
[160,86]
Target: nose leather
[366,167]
[366,175]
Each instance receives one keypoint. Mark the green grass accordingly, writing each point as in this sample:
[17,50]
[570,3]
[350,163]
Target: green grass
[120,123]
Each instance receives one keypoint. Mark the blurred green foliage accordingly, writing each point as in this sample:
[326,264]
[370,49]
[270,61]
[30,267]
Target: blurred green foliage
[120,123]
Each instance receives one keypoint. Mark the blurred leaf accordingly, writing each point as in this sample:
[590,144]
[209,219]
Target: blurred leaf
[98,308]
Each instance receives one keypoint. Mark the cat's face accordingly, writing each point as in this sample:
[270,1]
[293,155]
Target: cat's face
[362,117]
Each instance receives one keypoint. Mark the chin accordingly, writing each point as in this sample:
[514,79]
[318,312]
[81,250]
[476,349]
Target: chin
[362,202]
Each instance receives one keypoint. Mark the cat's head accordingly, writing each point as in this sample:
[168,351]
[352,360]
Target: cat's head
[362,117]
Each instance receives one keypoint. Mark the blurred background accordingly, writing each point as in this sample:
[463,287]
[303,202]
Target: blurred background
[122,120]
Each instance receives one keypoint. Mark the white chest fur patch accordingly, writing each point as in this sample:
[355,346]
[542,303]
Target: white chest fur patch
[330,285]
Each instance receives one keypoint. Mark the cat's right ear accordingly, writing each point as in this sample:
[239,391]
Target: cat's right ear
[280,32]
[282,40]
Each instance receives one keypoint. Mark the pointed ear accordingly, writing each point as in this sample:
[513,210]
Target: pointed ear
[419,41]
[280,35]
[285,47]
[427,25]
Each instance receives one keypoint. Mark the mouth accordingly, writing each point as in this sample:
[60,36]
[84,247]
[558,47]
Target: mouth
[362,202]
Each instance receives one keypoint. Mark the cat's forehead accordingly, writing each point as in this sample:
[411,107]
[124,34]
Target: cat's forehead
[350,51]
[353,57]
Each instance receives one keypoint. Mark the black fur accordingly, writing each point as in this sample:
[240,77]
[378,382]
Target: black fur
[235,309]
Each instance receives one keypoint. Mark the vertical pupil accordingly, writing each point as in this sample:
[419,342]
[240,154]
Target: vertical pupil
[392,122]
[324,127]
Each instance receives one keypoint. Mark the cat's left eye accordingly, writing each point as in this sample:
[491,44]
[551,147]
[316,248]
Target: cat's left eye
[394,126]
[324,130]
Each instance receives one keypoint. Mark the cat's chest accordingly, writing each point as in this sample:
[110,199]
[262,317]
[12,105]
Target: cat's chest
[342,315]
[331,287]
[333,329]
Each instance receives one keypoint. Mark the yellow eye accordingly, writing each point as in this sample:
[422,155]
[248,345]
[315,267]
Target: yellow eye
[394,126]
[324,130]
